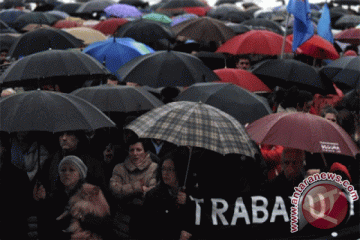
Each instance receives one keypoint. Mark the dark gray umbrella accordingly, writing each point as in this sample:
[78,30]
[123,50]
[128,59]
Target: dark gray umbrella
[49,111]
[94,6]
[53,66]
[118,98]
[238,102]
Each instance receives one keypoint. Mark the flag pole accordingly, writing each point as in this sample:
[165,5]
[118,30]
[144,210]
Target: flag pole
[284,38]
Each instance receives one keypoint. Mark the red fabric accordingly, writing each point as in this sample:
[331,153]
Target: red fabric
[200,11]
[66,24]
[330,99]
[350,53]
[272,156]
[255,42]
[242,78]
[109,26]
[339,167]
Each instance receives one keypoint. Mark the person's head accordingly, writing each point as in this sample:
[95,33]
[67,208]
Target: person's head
[305,101]
[292,163]
[173,168]
[72,170]
[68,141]
[329,113]
[137,151]
[243,62]
[7,92]
[112,80]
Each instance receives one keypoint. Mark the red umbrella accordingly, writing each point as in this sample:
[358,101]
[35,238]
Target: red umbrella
[351,35]
[256,42]
[66,24]
[242,78]
[109,26]
[303,131]
[318,47]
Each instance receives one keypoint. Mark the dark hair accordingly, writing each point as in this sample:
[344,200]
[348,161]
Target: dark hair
[328,109]
[303,97]
[243,56]
[290,97]
[180,159]
[143,141]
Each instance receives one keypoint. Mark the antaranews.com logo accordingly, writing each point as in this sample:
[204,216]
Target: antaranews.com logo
[322,200]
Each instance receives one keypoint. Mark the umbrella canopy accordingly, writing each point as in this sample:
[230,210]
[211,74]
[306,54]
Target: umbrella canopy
[145,31]
[347,21]
[135,3]
[264,24]
[58,13]
[256,42]
[7,40]
[158,17]
[166,68]
[88,35]
[204,29]
[194,124]
[119,98]
[122,11]
[115,52]
[242,78]
[188,6]
[288,72]
[344,72]
[238,102]
[317,47]
[228,12]
[43,39]
[94,6]
[9,16]
[351,35]
[35,17]
[66,24]
[50,112]
[303,131]
[56,65]
[69,8]
[109,26]
[182,17]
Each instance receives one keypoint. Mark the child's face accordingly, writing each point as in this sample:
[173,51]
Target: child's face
[69,175]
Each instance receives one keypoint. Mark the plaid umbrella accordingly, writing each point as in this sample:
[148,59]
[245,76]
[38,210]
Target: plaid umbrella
[194,124]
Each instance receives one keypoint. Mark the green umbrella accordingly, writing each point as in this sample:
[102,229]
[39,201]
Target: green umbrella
[158,17]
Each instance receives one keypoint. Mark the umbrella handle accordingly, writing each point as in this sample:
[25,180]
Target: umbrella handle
[188,167]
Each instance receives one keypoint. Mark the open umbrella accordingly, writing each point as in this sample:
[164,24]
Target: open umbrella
[109,26]
[115,52]
[122,11]
[242,78]
[288,72]
[66,24]
[182,17]
[317,47]
[228,12]
[166,68]
[204,29]
[344,72]
[256,42]
[188,6]
[118,98]
[194,124]
[264,24]
[56,66]
[135,3]
[8,39]
[49,111]
[162,18]
[238,102]
[303,131]
[43,39]
[347,21]
[88,35]
[351,35]
[145,31]
[94,6]
[35,17]
[10,15]
[68,7]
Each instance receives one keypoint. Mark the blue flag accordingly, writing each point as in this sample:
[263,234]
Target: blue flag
[303,28]
[324,25]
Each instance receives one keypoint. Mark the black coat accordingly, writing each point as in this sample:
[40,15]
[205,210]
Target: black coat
[16,197]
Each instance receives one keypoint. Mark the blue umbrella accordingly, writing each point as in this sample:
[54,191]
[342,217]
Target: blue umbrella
[115,52]
[182,17]
[10,15]
[122,11]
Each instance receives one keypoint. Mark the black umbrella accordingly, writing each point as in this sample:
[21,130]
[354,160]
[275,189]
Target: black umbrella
[69,8]
[260,23]
[288,72]
[4,28]
[219,2]
[344,72]
[183,3]
[35,17]
[136,3]
[94,6]
[228,12]
[240,103]
[7,40]
[53,66]
[166,68]
[118,98]
[50,112]
[145,31]
[43,39]
[347,21]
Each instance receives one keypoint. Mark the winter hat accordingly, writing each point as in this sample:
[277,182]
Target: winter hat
[77,162]
[338,167]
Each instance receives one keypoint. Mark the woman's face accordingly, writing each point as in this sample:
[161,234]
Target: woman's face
[69,175]
[169,174]
[137,152]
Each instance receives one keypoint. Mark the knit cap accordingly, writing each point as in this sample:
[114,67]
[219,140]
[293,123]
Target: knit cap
[77,162]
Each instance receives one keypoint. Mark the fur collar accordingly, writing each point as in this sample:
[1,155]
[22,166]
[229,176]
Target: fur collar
[144,165]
